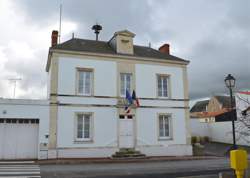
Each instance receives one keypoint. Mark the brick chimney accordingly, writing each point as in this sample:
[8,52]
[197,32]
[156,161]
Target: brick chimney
[54,38]
[164,48]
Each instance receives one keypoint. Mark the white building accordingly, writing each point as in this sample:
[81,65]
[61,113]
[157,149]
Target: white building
[24,128]
[86,88]
[221,130]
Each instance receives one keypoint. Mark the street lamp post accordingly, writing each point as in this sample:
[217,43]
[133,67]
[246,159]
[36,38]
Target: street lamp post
[230,83]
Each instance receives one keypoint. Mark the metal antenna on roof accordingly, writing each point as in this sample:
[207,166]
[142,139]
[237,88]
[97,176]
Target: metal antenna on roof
[14,80]
[60,24]
[97,28]
[73,35]
[149,44]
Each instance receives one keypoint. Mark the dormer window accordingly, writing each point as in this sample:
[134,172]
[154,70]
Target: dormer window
[125,41]
[122,42]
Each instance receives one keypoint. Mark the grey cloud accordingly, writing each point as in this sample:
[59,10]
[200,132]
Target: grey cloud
[113,15]
[213,35]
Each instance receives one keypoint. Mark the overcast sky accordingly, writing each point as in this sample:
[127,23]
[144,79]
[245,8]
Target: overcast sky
[214,35]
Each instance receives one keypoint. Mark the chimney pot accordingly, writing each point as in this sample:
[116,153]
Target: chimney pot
[54,38]
[165,48]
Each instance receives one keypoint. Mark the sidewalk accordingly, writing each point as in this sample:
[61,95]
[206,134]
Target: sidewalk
[123,160]
[144,169]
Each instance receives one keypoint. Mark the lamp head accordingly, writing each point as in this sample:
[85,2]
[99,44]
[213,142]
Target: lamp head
[230,81]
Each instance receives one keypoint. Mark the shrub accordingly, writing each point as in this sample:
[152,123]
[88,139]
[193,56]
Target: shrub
[193,139]
[206,139]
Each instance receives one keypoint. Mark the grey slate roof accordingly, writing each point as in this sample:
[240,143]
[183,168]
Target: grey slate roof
[225,101]
[200,106]
[103,47]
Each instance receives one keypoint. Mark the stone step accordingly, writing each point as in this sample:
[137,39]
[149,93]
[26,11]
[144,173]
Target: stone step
[127,152]
[128,155]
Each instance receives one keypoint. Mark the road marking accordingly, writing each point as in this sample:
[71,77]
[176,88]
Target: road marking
[22,169]
[17,162]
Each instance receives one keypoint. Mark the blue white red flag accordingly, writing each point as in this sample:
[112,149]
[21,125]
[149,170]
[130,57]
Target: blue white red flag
[129,102]
[135,100]
[127,109]
[129,98]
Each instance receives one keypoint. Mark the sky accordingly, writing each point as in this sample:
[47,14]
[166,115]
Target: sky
[213,35]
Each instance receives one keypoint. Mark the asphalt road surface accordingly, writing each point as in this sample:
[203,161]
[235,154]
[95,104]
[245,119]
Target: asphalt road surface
[138,170]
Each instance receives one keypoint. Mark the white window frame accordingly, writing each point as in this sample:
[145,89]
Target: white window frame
[162,89]
[170,129]
[125,83]
[79,70]
[91,127]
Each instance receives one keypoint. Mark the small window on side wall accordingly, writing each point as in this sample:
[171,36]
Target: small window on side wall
[163,86]
[83,127]
[165,127]
[84,81]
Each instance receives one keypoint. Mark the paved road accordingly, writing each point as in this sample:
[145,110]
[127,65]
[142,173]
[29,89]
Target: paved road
[137,170]
[19,169]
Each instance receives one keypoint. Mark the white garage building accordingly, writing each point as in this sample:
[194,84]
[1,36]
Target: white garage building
[23,129]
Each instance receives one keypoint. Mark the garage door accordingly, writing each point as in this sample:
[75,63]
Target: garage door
[19,138]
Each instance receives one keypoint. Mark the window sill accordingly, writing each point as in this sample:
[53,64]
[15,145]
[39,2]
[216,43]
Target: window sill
[165,139]
[160,97]
[83,141]
[80,94]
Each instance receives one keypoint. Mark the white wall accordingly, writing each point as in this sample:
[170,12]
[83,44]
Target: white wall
[147,127]
[28,109]
[199,128]
[146,80]
[105,127]
[106,118]
[87,100]
[104,75]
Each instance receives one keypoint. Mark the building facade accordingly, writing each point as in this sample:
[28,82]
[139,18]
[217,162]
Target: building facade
[88,83]
[85,116]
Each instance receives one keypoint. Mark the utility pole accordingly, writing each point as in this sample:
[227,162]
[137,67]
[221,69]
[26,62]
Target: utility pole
[14,81]
[60,24]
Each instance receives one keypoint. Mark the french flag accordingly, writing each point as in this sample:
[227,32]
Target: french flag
[127,109]
[129,98]
[129,102]
[135,100]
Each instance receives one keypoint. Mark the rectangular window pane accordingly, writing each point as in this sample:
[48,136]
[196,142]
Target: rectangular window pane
[87,126]
[164,126]
[122,84]
[79,125]
[162,86]
[161,128]
[126,80]
[85,82]
[80,82]
[159,85]
[128,83]
[166,134]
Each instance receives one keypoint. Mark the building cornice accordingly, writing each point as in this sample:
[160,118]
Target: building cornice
[116,56]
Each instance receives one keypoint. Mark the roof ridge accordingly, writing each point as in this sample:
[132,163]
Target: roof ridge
[104,47]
